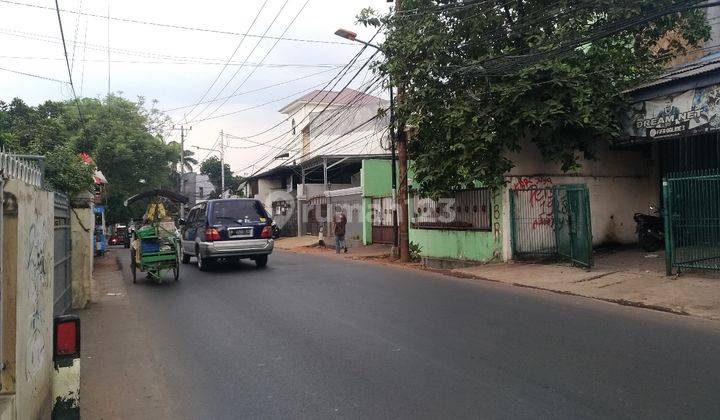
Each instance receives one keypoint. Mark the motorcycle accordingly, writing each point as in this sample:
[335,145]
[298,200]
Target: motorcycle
[650,230]
[275,230]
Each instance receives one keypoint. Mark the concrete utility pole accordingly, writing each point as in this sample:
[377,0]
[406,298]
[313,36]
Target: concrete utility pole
[182,163]
[401,143]
[222,164]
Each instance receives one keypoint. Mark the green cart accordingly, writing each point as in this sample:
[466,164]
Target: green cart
[153,251]
[155,247]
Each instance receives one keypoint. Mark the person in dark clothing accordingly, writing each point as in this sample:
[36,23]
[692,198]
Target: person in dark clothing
[339,222]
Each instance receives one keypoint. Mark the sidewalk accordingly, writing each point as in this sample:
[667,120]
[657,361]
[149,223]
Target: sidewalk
[119,377]
[309,244]
[629,277]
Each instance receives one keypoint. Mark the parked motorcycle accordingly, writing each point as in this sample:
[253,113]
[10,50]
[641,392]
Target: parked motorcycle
[650,230]
[275,230]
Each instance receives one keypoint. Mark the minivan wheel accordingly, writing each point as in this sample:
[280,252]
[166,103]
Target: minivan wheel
[202,263]
[185,258]
[261,261]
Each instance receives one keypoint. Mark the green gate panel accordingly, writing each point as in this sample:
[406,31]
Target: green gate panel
[552,222]
[692,220]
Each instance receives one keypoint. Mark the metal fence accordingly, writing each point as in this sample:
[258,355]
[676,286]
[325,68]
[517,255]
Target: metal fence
[383,216]
[467,209]
[551,222]
[62,252]
[692,220]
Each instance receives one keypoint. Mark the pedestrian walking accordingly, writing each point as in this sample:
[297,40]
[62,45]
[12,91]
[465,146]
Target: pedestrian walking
[339,222]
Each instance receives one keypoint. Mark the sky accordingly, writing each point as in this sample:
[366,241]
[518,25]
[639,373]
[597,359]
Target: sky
[176,67]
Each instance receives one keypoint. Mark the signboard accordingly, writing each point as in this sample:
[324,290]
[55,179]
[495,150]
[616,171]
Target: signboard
[690,112]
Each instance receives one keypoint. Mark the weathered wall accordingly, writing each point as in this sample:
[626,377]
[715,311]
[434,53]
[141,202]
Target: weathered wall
[28,298]
[620,183]
[81,225]
[476,245]
[457,244]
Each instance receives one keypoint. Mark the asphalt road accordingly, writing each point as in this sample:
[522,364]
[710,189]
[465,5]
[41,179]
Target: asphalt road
[314,337]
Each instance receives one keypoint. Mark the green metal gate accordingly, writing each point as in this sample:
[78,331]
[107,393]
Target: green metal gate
[552,222]
[692,220]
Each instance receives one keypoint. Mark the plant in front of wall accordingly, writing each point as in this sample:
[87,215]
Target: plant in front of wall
[415,250]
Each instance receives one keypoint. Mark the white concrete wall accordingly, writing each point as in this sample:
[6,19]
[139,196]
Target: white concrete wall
[82,221]
[265,187]
[620,183]
[28,264]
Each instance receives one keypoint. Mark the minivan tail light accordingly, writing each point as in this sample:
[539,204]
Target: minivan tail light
[212,234]
[266,232]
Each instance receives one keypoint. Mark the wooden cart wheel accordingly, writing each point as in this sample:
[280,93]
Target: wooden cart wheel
[133,267]
[176,271]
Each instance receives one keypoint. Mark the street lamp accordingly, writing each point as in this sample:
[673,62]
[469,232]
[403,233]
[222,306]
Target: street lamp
[352,36]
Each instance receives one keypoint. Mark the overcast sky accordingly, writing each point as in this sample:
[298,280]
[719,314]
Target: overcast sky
[177,66]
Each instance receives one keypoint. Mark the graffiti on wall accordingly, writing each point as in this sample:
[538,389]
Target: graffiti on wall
[497,219]
[37,285]
[540,199]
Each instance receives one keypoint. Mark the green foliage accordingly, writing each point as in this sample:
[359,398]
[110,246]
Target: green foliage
[211,168]
[415,251]
[124,138]
[480,81]
[65,170]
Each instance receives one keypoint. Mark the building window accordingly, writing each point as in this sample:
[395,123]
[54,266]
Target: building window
[293,126]
[463,210]
[201,193]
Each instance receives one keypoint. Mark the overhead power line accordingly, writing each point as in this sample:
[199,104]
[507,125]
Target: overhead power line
[182,27]
[256,90]
[257,44]
[225,66]
[37,76]
[67,62]
[137,53]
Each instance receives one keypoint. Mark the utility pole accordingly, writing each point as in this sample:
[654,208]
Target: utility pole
[222,164]
[401,142]
[182,163]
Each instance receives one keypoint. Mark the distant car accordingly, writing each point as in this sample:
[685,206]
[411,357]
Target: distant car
[227,229]
[120,236]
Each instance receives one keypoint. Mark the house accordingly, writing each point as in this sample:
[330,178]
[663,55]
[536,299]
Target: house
[336,131]
[196,187]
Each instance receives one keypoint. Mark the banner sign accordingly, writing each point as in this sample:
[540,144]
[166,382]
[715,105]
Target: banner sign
[690,112]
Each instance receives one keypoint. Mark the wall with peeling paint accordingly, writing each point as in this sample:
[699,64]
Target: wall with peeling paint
[82,220]
[28,299]
[620,183]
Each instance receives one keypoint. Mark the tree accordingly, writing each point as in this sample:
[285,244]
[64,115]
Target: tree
[43,130]
[190,161]
[481,77]
[211,168]
[125,139]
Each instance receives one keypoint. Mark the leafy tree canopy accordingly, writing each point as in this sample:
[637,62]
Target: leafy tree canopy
[125,139]
[481,77]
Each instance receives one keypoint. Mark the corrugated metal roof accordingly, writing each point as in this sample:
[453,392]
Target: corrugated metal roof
[709,63]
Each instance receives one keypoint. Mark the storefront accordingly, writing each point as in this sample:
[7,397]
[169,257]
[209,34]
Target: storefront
[676,120]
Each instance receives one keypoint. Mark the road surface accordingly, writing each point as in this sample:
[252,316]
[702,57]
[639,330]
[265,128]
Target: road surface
[313,336]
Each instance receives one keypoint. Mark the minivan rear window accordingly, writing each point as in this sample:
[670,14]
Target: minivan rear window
[235,210]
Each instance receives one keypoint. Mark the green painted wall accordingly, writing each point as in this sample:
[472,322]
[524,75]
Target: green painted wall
[376,178]
[367,222]
[462,244]
[376,181]
[457,244]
